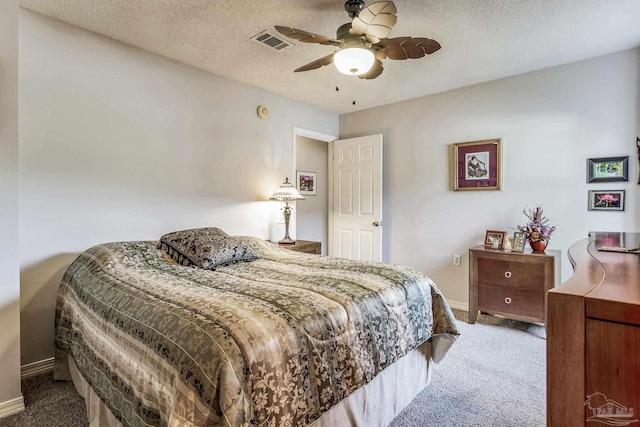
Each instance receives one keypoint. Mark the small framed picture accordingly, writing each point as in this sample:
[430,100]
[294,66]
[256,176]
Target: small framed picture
[606,200]
[477,165]
[307,183]
[494,239]
[608,169]
[519,240]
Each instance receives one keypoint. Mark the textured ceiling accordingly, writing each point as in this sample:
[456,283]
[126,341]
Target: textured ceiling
[481,40]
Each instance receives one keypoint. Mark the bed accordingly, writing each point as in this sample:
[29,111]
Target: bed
[206,329]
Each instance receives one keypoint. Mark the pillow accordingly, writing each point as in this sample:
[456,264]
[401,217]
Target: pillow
[207,248]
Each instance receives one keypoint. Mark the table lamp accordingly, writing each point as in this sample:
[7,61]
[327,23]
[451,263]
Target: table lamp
[286,193]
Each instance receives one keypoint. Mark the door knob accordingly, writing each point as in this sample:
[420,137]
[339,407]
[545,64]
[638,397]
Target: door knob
[377,223]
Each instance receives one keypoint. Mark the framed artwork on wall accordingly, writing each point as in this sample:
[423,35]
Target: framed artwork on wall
[608,169]
[477,165]
[307,183]
[606,200]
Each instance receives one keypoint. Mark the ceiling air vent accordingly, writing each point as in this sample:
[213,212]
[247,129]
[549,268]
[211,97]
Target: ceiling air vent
[268,39]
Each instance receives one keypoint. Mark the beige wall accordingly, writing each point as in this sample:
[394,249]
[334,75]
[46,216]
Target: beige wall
[120,144]
[312,218]
[10,395]
[550,122]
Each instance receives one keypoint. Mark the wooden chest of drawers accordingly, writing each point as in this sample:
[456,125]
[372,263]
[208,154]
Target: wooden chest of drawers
[511,284]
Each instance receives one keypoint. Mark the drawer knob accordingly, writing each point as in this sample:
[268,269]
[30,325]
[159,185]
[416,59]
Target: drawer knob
[507,300]
[507,274]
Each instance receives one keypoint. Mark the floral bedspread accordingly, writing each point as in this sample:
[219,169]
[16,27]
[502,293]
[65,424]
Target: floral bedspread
[273,342]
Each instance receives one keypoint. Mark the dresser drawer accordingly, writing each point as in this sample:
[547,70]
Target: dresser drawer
[513,274]
[491,298]
[511,301]
[526,303]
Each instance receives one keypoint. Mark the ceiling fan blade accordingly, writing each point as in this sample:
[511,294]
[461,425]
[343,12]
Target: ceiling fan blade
[380,54]
[316,64]
[375,71]
[306,36]
[375,21]
[409,47]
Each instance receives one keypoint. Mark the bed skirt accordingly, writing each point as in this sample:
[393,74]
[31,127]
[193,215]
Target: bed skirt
[375,404]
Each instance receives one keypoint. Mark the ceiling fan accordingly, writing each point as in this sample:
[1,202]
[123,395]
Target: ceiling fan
[363,42]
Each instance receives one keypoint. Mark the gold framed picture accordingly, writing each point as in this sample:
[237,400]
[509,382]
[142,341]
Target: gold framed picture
[477,165]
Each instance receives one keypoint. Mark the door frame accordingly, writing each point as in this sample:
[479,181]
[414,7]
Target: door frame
[329,140]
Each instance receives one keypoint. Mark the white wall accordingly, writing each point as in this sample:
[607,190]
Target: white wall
[120,144]
[10,395]
[550,122]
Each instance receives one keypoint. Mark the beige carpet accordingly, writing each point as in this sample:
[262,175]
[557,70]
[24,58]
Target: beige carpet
[493,376]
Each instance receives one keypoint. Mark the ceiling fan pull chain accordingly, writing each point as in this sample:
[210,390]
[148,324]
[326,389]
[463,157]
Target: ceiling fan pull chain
[355,92]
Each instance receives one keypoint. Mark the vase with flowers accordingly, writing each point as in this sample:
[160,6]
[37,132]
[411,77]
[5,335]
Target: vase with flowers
[537,228]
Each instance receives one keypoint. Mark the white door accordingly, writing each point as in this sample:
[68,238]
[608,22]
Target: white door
[357,198]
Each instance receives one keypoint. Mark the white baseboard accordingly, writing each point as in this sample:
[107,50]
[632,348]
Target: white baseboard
[459,305]
[12,407]
[36,368]
[15,406]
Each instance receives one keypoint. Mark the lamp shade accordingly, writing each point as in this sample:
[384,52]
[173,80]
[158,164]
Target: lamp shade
[353,60]
[287,192]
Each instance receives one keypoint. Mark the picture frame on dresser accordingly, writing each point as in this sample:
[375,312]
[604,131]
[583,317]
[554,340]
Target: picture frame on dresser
[519,240]
[494,239]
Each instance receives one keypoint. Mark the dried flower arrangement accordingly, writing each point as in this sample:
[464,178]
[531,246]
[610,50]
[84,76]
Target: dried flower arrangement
[538,227]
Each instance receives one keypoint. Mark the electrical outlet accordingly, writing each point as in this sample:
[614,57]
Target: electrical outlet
[456,260]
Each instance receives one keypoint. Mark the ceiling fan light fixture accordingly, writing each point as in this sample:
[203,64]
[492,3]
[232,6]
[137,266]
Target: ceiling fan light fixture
[363,43]
[353,61]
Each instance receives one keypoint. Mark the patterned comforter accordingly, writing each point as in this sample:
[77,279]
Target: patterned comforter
[273,342]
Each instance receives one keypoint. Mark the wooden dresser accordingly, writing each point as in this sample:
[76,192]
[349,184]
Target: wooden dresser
[593,337]
[306,246]
[511,284]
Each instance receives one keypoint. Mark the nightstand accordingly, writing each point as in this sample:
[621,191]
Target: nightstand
[511,284]
[306,246]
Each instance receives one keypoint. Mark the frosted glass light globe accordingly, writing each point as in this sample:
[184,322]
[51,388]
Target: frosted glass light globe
[353,60]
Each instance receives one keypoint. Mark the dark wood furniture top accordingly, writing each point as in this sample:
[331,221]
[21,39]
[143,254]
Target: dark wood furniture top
[511,284]
[593,334]
[306,246]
